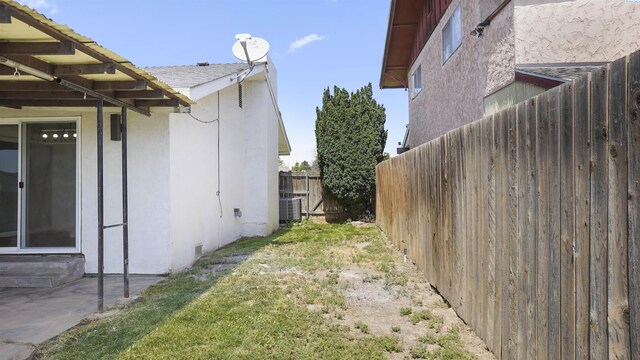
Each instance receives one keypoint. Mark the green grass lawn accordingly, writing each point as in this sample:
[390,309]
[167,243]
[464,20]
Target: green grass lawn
[277,297]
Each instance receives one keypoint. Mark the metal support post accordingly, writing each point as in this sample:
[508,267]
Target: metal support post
[125,207]
[100,206]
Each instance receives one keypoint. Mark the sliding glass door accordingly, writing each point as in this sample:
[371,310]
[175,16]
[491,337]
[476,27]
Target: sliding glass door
[9,161]
[49,185]
[38,186]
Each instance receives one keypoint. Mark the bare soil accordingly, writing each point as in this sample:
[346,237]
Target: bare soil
[371,301]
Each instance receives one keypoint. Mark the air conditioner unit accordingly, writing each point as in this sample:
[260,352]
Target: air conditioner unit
[290,209]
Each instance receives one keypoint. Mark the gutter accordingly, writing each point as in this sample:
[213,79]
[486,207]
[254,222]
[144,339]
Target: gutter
[386,44]
[277,109]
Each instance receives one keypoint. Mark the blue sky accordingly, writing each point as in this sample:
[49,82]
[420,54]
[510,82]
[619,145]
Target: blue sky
[339,42]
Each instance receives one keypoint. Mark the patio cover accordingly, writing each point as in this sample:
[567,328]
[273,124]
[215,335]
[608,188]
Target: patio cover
[49,65]
[46,64]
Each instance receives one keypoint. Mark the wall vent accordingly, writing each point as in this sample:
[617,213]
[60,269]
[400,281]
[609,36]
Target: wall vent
[198,251]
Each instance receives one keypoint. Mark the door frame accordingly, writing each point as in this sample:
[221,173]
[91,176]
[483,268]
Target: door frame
[19,249]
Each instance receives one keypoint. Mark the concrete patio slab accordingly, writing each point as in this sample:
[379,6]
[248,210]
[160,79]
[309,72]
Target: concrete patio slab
[30,316]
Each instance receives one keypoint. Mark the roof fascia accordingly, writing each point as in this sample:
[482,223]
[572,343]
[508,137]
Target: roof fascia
[199,91]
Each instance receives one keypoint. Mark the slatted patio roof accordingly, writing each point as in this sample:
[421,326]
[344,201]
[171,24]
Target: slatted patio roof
[47,64]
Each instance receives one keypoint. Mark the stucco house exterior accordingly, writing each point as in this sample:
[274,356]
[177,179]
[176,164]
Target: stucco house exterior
[202,153]
[463,59]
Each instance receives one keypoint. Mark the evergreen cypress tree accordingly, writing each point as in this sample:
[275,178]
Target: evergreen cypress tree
[350,138]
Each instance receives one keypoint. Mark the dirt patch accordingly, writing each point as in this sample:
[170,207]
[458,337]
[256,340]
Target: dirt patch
[378,305]
[362,224]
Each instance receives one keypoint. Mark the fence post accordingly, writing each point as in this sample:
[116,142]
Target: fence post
[306,173]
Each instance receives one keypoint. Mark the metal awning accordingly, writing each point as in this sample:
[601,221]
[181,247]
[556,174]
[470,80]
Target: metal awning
[47,64]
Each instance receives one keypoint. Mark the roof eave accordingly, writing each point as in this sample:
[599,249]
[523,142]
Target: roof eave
[210,87]
[386,45]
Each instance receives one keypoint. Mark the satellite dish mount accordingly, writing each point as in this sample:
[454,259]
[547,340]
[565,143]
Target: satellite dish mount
[250,50]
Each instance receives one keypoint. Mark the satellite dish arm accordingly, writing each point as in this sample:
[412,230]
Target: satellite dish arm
[258,45]
[241,76]
[243,42]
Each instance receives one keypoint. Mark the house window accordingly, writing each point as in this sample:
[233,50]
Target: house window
[452,35]
[416,81]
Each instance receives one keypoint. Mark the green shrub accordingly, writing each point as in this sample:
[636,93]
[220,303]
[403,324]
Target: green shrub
[350,140]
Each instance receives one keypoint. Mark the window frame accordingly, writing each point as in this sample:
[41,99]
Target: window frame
[446,30]
[416,90]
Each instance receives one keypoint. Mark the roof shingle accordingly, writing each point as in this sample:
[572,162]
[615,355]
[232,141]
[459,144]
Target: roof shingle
[188,76]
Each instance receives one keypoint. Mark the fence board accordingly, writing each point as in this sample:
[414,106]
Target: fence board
[454,275]
[499,171]
[506,243]
[554,226]
[582,151]
[527,222]
[483,239]
[529,259]
[523,231]
[490,255]
[468,244]
[542,227]
[473,187]
[617,262]
[598,338]
[513,233]
[567,223]
[633,123]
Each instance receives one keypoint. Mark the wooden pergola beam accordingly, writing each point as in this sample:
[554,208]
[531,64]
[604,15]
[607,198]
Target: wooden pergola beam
[13,103]
[37,48]
[58,35]
[70,94]
[151,103]
[140,94]
[89,102]
[39,85]
[120,85]
[60,70]
[36,95]
[84,69]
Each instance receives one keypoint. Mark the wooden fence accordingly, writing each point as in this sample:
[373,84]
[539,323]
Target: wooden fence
[527,221]
[305,186]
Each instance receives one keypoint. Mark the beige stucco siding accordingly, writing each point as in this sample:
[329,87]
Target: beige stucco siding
[575,31]
[452,93]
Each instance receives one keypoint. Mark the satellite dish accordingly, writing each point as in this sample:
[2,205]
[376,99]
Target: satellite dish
[250,49]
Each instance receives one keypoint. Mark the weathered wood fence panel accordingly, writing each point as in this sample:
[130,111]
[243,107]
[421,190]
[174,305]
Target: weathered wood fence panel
[527,221]
[307,186]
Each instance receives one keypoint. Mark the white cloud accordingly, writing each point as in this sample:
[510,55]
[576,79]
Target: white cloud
[44,6]
[305,41]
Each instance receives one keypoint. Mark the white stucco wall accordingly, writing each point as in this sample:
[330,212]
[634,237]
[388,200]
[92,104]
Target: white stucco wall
[260,216]
[148,170]
[149,226]
[173,179]
[248,171]
[559,31]
[195,208]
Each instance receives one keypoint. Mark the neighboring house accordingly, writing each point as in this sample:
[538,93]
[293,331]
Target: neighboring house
[461,60]
[196,181]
